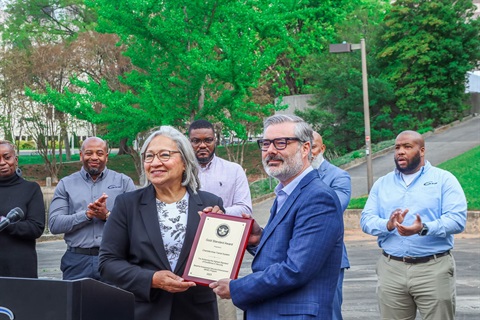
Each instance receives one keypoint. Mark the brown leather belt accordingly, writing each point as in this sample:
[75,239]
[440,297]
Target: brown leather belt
[86,251]
[416,259]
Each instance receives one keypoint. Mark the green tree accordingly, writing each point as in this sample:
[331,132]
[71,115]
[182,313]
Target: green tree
[336,82]
[30,22]
[429,47]
[46,42]
[192,59]
[309,32]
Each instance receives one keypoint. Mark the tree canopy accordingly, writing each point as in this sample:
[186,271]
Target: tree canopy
[418,54]
[151,63]
[196,59]
[45,21]
[335,80]
[429,47]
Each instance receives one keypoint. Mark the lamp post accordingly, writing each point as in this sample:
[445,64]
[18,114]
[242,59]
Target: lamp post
[348,47]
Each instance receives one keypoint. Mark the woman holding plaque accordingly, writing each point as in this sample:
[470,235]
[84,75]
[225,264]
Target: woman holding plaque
[150,232]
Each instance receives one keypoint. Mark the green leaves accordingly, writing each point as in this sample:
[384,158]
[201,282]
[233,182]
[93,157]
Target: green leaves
[36,21]
[336,82]
[429,47]
[222,60]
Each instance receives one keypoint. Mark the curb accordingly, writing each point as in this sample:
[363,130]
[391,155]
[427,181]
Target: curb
[351,219]
[50,237]
[263,198]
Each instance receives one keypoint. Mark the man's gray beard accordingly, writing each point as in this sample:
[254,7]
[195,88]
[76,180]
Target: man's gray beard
[317,161]
[291,166]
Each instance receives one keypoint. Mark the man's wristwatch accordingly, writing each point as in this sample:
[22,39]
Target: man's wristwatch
[424,230]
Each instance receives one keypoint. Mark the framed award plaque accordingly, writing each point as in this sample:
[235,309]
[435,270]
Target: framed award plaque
[218,248]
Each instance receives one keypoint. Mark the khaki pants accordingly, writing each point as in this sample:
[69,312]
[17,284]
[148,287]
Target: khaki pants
[404,287]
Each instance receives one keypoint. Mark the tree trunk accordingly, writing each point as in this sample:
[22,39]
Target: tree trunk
[123,148]
[137,160]
[68,151]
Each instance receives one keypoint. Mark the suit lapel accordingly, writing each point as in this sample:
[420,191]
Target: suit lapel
[270,227]
[273,211]
[195,204]
[148,213]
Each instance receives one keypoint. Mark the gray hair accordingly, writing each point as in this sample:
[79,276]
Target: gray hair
[190,178]
[11,145]
[303,130]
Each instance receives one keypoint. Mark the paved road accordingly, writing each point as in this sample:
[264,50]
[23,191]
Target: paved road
[360,302]
[359,287]
[439,147]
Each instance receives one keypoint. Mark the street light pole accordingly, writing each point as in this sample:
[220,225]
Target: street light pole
[347,47]
[366,116]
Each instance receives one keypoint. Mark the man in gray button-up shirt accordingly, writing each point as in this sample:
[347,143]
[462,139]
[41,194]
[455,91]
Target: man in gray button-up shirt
[81,206]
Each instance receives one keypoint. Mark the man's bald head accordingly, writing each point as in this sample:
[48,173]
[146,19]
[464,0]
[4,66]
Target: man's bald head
[94,140]
[317,146]
[413,136]
[409,152]
[94,156]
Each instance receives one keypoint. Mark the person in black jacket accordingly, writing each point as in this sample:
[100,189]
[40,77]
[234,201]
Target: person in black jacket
[18,255]
[149,234]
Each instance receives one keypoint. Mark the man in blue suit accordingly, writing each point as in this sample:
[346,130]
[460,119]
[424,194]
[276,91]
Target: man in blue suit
[298,254]
[339,181]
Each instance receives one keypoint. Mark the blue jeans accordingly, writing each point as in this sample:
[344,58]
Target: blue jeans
[338,297]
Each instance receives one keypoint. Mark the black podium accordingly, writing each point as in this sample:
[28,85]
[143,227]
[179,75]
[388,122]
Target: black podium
[84,299]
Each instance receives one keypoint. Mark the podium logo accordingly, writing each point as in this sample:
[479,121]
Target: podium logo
[7,311]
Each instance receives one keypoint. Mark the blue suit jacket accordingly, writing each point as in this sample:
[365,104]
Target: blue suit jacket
[339,181]
[297,262]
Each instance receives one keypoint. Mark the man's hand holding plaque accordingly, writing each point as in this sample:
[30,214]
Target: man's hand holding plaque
[255,233]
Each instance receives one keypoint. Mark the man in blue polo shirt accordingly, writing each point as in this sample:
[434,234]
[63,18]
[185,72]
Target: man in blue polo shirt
[415,211]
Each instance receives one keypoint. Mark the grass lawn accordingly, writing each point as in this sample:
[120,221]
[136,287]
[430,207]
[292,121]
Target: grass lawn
[466,167]
[37,159]
[34,170]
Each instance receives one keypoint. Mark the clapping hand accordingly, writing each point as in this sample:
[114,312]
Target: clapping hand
[98,208]
[396,218]
[410,230]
